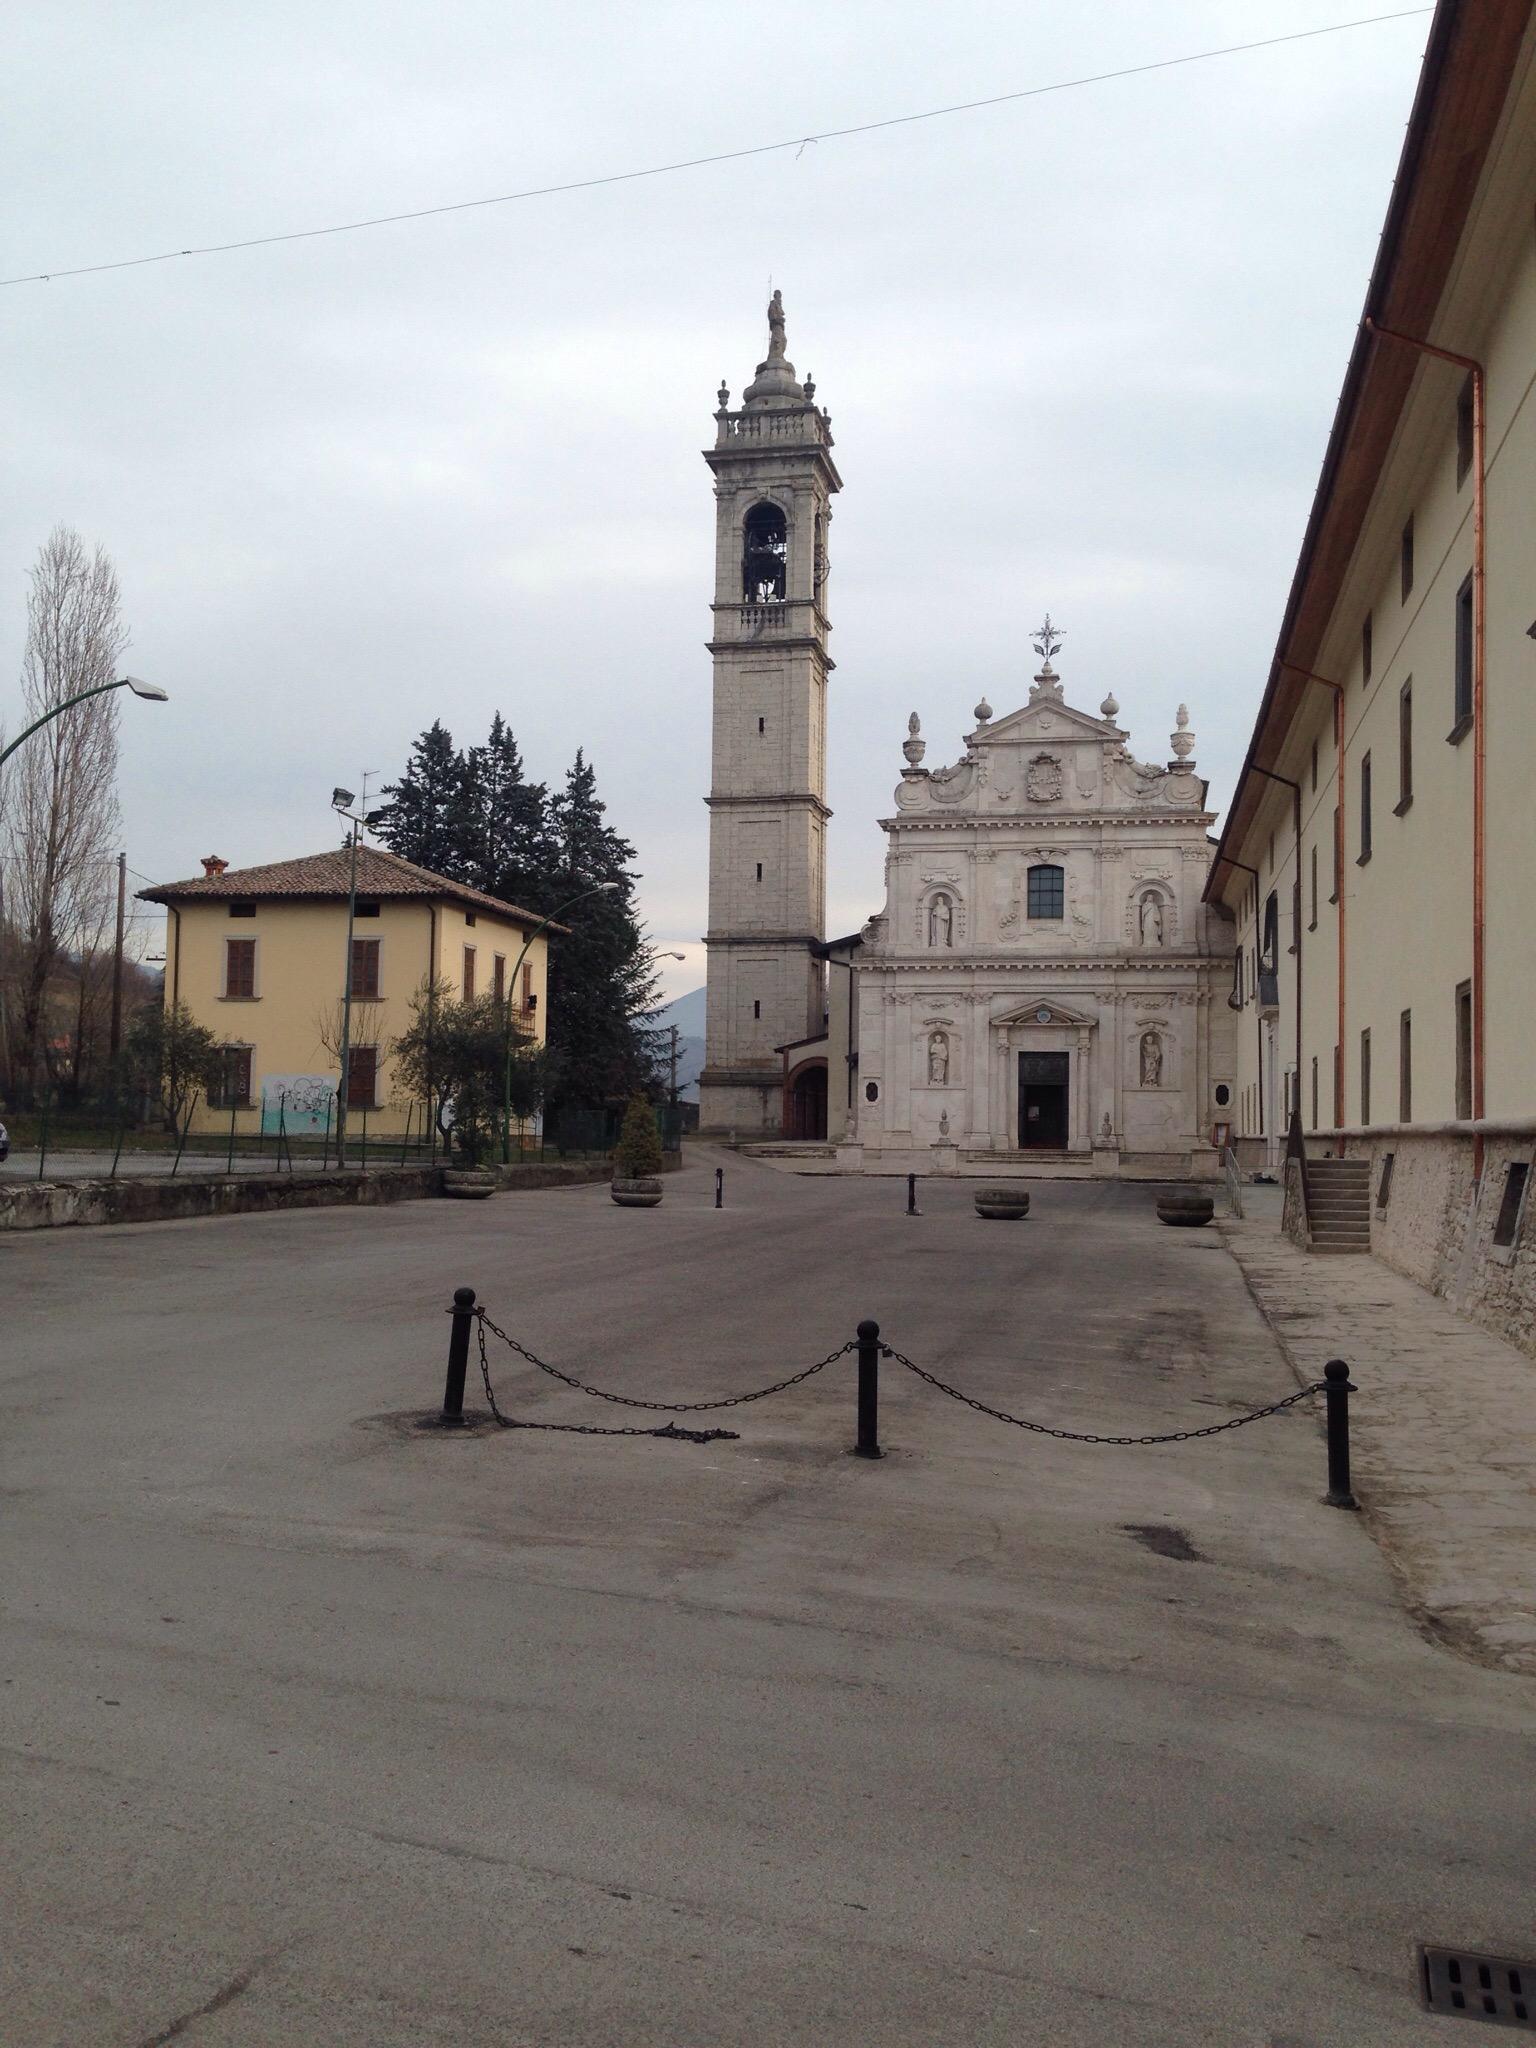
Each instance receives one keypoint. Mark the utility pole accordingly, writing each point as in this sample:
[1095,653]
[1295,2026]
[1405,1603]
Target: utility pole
[116,1037]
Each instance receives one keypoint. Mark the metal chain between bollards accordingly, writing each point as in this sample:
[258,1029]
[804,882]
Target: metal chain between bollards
[1077,1436]
[660,1407]
[672,1430]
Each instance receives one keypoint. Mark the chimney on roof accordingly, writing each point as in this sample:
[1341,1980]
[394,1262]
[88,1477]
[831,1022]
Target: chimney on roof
[213,867]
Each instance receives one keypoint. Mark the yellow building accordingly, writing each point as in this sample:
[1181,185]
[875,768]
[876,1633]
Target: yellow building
[258,956]
[1379,852]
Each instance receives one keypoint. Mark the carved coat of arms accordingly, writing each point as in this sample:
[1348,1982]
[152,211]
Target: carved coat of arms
[1042,779]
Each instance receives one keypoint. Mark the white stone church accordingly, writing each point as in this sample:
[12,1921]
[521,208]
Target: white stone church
[1043,990]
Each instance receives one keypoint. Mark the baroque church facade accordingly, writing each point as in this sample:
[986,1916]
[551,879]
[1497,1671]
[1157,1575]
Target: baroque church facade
[1044,987]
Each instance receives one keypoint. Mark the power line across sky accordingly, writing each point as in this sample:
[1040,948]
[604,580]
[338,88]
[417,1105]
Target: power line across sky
[794,142]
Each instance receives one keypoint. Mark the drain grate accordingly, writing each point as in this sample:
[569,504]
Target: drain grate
[1492,1988]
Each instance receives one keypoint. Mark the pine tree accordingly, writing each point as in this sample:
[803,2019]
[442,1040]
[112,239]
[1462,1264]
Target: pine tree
[601,980]
[425,821]
[508,848]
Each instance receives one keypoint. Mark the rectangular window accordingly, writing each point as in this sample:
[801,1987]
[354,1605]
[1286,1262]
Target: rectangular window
[530,1000]
[760,726]
[469,917]
[1314,1091]
[757,1009]
[1047,887]
[1365,1077]
[1405,1067]
[1406,558]
[1271,940]
[1365,810]
[1312,921]
[469,974]
[1336,877]
[365,970]
[1237,978]
[759,871]
[1463,662]
[242,910]
[361,909]
[1509,1208]
[1384,1185]
[239,969]
[499,977]
[1314,767]
[1464,448]
[1365,649]
[233,1089]
[1404,747]
[1464,1049]
[362,1077]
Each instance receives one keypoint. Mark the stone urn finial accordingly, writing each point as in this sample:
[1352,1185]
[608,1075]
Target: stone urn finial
[913,746]
[1182,739]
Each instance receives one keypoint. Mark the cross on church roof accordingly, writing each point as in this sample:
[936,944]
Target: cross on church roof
[1047,640]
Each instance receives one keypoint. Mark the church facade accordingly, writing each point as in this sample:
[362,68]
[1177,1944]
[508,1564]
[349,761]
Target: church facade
[1044,987]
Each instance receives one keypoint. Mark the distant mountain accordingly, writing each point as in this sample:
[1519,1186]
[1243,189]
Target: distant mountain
[687,1013]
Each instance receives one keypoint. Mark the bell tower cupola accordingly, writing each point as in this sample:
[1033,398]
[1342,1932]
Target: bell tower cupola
[774,484]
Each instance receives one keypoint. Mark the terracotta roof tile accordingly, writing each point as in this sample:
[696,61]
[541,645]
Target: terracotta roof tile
[327,875]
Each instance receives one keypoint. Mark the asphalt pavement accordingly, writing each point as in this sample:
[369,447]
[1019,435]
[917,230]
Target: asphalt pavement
[321,1728]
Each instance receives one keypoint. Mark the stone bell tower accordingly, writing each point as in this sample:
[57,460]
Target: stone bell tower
[774,482]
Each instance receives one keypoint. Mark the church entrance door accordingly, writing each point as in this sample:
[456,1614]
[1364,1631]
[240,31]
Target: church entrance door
[1043,1101]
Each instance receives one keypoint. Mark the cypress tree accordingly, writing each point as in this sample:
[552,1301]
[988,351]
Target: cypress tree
[425,821]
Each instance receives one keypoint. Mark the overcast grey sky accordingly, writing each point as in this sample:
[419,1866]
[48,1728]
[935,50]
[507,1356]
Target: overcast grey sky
[1080,353]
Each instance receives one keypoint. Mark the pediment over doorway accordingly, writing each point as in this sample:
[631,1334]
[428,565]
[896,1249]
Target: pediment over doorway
[1043,1012]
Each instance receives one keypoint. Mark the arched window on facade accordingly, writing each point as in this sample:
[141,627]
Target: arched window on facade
[1047,891]
[764,555]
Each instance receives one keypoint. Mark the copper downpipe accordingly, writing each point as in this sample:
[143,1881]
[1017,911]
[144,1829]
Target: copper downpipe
[1479,746]
[1338,871]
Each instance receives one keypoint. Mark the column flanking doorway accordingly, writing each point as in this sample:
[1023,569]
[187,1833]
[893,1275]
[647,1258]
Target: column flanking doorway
[1043,1101]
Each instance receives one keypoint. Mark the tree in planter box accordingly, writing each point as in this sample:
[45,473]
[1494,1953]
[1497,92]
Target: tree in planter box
[637,1156]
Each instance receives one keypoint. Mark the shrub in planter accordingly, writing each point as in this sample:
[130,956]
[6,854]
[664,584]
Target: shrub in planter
[637,1158]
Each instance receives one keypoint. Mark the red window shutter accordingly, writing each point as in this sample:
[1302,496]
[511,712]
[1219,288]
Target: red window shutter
[362,1076]
[527,986]
[499,977]
[365,970]
[240,967]
[469,974]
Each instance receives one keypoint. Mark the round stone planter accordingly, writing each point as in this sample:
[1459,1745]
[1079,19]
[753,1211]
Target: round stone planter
[1003,1205]
[468,1183]
[1186,1207]
[636,1194]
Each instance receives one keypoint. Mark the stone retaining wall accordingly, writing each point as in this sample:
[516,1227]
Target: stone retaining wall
[46,1205]
[1437,1226]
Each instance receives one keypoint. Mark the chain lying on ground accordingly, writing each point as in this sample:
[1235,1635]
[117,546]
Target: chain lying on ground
[671,1429]
[1078,1436]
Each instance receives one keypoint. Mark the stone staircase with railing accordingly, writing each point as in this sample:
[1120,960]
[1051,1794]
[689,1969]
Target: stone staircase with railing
[1339,1204]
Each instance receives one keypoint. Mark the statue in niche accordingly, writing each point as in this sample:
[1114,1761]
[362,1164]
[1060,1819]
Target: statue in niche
[1151,1060]
[938,1059]
[1151,919]
[941,917]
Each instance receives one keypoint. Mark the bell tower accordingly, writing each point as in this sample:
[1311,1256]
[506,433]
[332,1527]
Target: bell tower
[774,483]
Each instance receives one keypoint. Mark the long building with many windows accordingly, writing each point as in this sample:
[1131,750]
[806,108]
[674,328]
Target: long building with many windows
[1379,852]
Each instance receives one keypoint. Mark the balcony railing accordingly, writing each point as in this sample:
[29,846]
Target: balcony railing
[800,423]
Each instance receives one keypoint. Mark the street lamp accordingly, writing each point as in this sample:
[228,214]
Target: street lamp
[340,799]
[598,889]
[151,691]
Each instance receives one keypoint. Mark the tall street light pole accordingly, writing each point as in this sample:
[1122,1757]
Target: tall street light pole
[598,889]
[137,684]
[340,798]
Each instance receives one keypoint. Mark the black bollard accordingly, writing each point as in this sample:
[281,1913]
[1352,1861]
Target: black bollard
[1338,1388]
[719,1187]
[458,1357]
[868,1444]
[912,1208]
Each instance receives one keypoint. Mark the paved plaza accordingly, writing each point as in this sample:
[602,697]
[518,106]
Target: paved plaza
[319,1728]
